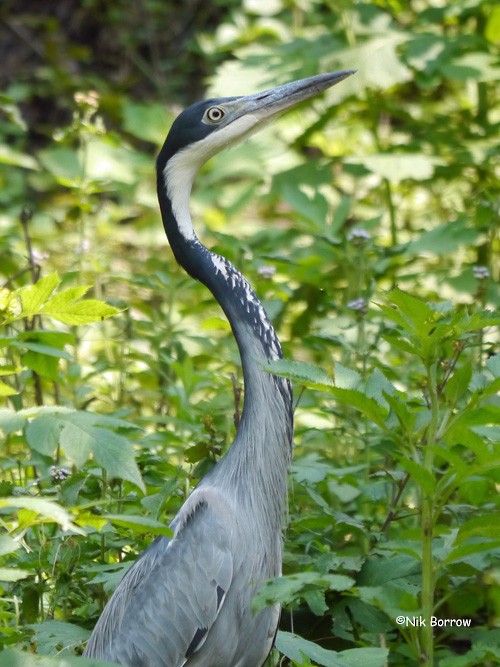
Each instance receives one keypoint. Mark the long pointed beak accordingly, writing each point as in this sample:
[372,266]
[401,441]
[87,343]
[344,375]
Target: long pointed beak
[277,100]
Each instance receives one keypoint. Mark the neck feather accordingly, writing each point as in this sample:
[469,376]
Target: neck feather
[264,436]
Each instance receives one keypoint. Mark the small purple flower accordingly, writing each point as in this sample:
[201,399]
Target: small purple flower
[481,272]
[359,305]
[266,271]
[358,236]
[59,474]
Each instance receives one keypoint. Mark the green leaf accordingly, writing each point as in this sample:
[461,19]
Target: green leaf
[300,650]
[346,378]
[63,163]
[8,545]
[425,479]
[288,588]
[397,167]
[146,121]
[35,296]
[367,406]
[139,524]
[11,421]
[51,635]
[75,442]
[12,658]
[6,390]
[42,434]
[64,308]
[456,387]
[13,574]
[115,454]
[49,510]
[300,372]
[446,238]
[417,313]
[15,158]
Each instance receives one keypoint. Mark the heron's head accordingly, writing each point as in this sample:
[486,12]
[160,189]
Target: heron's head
[207,127]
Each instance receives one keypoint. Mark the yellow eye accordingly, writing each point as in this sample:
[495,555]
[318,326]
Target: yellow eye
[215,114]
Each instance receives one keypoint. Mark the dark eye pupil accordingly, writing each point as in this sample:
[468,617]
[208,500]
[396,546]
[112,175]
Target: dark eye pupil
[215,114]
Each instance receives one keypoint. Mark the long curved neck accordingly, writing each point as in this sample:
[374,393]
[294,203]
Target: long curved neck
[265,432]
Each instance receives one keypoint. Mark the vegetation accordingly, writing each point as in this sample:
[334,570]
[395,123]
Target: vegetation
[368,223]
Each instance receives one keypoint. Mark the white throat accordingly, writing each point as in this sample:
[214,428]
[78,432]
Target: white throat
[180,170]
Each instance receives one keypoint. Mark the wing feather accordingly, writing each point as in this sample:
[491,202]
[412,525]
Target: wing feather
[163,609]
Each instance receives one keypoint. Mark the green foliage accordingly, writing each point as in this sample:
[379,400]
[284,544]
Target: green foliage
[368,223]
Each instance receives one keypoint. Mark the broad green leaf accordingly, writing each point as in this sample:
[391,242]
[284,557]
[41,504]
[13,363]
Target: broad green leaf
[299,650]
[468,548]
[414,310]
[35,296]
[288,588]
[115,454]
[11,421]
[446,238]
[7,390]
[456,386]
[397,167]
[425,479]
[107,162]
[47,509]
[8,545]
[51,635]
[346,378]
[63,163]
[139,524]
[63,299]
[15,158]
[368,407]
[389,569]
[13,574]
[79,312]
[42,434]
[13,658]
[149,122]
[75,442]
[493,365]
[300,372]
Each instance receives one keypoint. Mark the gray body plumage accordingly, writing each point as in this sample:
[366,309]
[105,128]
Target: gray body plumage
[188,600]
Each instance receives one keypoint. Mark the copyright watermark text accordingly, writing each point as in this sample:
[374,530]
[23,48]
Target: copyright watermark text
[433,622]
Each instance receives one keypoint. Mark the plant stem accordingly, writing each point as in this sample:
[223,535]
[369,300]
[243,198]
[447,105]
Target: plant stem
[427,527]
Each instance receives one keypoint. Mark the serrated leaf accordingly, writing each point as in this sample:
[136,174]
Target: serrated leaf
[300,372]
[358,400]
[300,650]
[420,475]
[65,298]
[80,312]
[35,296]
[346,378]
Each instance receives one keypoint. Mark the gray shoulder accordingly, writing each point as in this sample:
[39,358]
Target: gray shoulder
[163,609]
